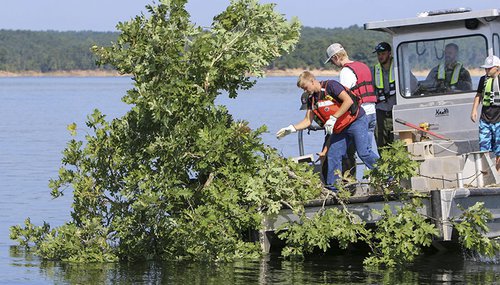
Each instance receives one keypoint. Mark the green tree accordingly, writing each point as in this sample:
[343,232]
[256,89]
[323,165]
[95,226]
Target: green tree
[176,176]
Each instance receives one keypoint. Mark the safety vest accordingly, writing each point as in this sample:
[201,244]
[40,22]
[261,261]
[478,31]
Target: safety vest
[326,106]
[378,75]
[364,87]
[491,92]
[454,76]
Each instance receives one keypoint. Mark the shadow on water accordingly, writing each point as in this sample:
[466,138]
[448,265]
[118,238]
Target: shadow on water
[448,267]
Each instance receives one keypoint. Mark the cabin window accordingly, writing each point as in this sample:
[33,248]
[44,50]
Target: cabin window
[496,44]
[440,66]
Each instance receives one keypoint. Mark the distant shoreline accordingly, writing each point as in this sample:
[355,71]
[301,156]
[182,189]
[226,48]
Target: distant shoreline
[112,73]
[61,73]
[331,72]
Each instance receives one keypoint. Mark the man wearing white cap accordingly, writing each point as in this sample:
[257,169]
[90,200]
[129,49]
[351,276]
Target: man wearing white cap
[356,76]
[488,93]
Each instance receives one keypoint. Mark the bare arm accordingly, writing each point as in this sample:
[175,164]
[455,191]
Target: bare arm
[473,114]
[306,122]
[346,104]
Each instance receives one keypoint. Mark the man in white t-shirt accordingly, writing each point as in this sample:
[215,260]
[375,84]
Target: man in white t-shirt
[356,76]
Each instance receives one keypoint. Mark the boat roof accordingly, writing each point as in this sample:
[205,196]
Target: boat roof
[432,17]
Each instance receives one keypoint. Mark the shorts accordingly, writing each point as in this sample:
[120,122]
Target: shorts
[489,137]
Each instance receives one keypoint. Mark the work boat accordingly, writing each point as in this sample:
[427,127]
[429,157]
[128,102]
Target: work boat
[434,120]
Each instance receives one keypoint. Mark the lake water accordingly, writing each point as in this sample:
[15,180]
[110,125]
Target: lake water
[34,115]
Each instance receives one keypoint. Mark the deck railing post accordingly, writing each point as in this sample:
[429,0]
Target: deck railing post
[437,212]
[479,168]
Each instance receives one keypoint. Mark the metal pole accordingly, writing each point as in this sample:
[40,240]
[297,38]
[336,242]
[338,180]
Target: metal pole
[479,169]
[301,142]
[460,180]
[437,211]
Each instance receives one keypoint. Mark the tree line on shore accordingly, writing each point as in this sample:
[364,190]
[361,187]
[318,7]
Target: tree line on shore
[52,51]
[49,51]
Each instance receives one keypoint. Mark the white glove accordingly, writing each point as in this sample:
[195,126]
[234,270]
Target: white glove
[285,131]
[329,125]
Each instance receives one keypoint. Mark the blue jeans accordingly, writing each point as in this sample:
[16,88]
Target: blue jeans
[372,123]
[357,133]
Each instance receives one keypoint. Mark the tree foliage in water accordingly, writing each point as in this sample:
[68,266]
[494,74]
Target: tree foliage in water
[176,176]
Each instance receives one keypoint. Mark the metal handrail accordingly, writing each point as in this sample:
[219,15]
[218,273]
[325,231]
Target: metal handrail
[300,137]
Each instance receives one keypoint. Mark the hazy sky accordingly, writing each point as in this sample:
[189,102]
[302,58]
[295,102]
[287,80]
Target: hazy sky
[103,15]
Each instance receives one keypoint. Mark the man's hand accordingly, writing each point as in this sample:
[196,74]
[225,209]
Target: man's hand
[473,115]
[285,131]
[329,125]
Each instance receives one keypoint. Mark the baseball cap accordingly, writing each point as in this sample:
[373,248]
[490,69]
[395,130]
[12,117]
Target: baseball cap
[383,46]
[332,50]
[491,61]
[303,100]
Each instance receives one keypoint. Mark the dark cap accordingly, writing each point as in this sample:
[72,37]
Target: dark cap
[303,99]
[383,46]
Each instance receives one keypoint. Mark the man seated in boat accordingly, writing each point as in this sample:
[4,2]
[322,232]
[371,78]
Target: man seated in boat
[450,75]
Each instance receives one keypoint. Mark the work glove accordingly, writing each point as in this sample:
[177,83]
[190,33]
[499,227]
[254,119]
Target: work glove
[285,131]
[329,125]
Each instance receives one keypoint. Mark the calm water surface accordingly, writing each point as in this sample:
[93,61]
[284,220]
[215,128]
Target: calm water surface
[34,115]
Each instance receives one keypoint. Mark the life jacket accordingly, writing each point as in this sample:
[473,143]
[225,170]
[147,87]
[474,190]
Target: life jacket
[491,92]
[326,106]
[378,75]
[364,87]
[454,77]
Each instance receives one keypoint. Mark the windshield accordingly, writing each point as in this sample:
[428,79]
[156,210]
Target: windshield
[440,66]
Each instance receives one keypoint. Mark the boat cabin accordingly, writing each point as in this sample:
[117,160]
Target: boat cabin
[419,46]
[439,99]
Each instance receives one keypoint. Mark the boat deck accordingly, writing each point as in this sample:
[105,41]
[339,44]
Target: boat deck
[441,206]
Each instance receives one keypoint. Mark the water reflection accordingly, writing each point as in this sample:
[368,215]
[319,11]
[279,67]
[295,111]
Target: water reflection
[436,268]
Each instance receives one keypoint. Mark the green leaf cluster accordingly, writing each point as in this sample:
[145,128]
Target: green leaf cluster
[85,243]
[394,169]
[471,227]
[401,234]
[320,230]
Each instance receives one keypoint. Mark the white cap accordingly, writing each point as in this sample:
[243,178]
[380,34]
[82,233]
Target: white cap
[332,50]
[491,61]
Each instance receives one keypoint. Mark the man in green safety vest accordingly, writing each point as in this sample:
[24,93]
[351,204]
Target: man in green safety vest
[450,75]
[384,85]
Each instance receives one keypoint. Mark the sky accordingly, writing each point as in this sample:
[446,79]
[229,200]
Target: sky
[103,15]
